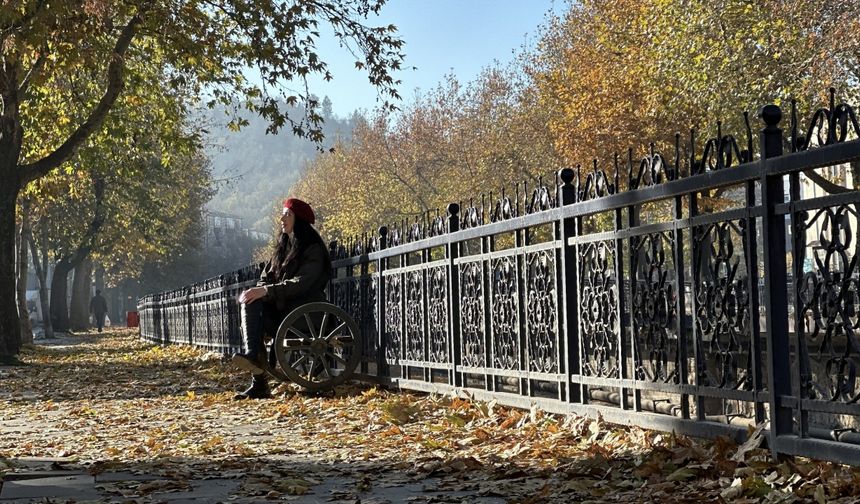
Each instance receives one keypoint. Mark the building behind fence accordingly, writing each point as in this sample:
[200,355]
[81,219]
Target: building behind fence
[709,294]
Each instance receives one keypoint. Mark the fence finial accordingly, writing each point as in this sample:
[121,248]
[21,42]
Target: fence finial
[453,217]
[771,115]
[528,205]
[720,163]
[617,177]
[629,167]
[566,176]
[694,165]
[831,126]
[383,237]
[772,145]
[567,190]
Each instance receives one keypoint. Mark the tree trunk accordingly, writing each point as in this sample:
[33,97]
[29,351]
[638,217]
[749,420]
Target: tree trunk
[79,313]
[23,269]
[59,295]
[10,326]
[41,266]
[11,139]
[99,278]
[15,176]
[60,282]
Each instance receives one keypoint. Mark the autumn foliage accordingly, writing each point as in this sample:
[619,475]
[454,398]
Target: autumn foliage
[605,76]
[452,142]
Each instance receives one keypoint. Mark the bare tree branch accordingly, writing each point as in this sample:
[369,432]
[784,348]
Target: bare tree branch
[395,174]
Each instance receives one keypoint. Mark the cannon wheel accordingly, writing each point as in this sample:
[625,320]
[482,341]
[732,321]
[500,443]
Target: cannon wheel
[318,346]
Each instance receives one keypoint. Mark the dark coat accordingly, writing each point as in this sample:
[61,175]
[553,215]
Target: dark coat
[303,281]
[98,305]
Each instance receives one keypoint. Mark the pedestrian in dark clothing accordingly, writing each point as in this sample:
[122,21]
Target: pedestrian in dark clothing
[297,274]
[98,307]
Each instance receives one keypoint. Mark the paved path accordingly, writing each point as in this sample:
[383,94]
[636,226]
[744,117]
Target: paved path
[59,480]
[64,480]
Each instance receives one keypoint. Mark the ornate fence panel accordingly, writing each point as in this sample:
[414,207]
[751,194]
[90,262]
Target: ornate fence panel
[355,289]
[509,319]
[702,293]
[204,314]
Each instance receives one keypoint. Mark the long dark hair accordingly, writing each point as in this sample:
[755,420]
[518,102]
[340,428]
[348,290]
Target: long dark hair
[287,250]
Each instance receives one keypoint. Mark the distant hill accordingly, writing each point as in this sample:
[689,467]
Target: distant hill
[258,169]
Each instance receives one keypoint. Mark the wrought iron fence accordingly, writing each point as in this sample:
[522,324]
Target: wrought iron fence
[205,314]
[708,294]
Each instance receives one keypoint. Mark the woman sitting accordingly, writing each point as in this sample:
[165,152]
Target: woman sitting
[297,274]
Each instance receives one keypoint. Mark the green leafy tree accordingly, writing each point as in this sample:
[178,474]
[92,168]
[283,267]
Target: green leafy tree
[114,170]
[207,47]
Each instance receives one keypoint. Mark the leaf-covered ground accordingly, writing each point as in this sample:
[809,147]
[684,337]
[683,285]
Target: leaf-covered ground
[112,403]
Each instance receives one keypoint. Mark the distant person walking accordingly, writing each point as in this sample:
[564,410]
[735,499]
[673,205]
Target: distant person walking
[98,307]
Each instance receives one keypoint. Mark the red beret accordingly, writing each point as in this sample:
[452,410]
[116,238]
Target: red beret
[300,209]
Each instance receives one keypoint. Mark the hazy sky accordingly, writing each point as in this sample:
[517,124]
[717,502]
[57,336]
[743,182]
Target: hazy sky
[442,36]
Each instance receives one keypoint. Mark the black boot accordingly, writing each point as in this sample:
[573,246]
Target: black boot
[254,360]
[259,389]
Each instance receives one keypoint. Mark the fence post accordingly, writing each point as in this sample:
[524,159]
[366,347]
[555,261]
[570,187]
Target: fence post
[570,336]
[223,341]
[165,318]
[776,285]
[190,295]
[381,366]
[234,332]
[453,251]
[363,309]
[681,292]
[332,252]
[156,317]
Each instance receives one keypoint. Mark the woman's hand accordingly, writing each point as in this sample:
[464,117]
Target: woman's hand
[252,294]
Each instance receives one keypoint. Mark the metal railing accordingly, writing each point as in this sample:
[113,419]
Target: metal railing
[646,304]
[205,314]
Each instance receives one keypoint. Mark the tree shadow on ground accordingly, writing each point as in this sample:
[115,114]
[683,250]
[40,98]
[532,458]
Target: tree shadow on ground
[328,477]
[295,478]
[87,371]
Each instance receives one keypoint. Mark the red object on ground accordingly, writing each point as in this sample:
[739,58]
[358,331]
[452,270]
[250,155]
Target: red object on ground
[132,319]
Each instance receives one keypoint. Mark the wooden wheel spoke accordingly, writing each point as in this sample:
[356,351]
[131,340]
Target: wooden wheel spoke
[311,369]
[333,333]
[310,325]
[298,333]
[323,324]
[338,358]
[298,361]
[326,367]
[342,339]
[295,344]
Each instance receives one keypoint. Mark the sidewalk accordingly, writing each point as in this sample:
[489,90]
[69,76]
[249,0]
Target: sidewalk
[106,418]
[61,408]
[59,480]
